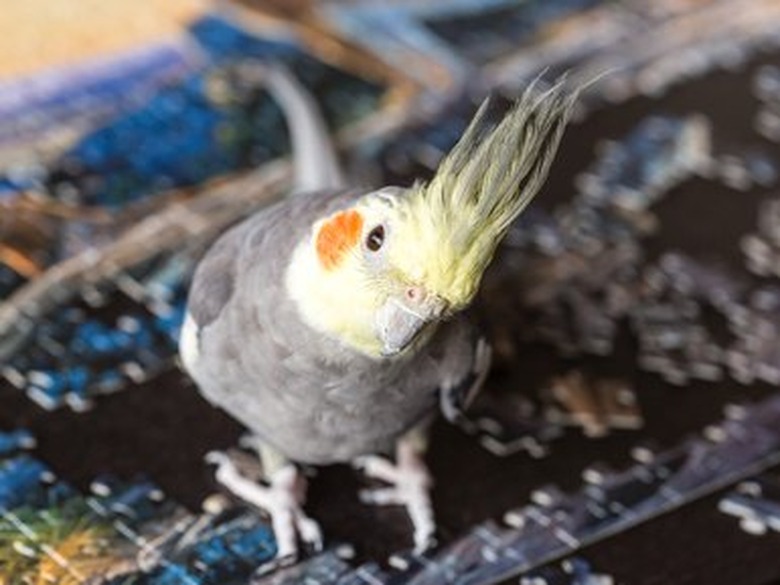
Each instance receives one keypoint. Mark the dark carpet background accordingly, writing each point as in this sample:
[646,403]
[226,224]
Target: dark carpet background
[162,428]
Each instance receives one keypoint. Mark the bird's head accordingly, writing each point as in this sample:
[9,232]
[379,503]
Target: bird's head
[380,274]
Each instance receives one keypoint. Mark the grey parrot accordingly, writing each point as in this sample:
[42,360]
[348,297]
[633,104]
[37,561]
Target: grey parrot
[333,323]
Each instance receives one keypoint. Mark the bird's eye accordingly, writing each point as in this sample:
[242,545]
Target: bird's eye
[375,238]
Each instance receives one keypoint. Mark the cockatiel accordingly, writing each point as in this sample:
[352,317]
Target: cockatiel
[332,323]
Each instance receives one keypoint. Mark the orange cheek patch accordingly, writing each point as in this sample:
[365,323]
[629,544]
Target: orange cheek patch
[337,236]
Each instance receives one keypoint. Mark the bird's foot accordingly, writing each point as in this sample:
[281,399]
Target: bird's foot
[282,498]
[410,487]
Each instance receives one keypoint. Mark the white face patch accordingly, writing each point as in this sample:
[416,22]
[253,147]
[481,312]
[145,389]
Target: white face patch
[188,344]
[334,302]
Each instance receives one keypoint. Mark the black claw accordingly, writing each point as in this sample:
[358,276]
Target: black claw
[311,548]
[431,544]
[277,563]
[271,566]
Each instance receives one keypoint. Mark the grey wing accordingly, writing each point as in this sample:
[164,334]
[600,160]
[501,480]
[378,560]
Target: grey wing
[212,288]
[214,280]
[465,368]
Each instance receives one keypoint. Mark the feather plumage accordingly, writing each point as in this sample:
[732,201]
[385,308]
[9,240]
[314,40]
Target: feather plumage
[457,219]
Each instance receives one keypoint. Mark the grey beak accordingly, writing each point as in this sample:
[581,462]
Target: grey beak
[399,323]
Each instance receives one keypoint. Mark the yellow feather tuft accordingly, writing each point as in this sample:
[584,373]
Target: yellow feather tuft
[454,223]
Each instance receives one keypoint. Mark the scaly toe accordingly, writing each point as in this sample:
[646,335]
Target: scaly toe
[281,500]
[377,468]
[410,485]
[310,533]
[216,458]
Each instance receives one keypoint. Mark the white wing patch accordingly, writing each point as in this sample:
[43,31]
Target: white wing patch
[188,343]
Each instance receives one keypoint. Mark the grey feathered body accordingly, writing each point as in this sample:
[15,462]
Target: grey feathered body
[311,397]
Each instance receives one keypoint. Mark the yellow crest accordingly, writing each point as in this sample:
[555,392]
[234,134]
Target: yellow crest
[455,222]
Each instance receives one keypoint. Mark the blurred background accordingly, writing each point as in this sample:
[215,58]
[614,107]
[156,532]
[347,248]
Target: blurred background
[635,299]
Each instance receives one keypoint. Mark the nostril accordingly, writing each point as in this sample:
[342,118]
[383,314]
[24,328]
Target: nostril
[415,294]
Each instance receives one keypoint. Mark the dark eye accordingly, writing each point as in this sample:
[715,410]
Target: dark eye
[375,238]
